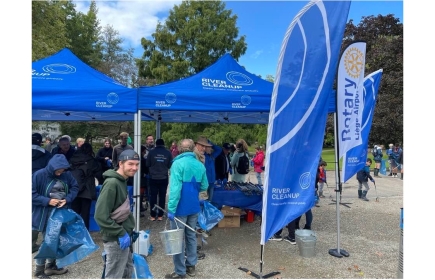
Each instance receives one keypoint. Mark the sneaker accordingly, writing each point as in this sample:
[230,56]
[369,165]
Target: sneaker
[276,237]
[174,275]
[290,240]
[190,270]
[52,269]
[200,256]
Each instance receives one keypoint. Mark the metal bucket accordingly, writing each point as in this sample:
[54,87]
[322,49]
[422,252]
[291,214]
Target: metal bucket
[306,240]
[172,240]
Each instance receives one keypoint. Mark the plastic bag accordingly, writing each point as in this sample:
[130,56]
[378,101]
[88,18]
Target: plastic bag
[66,239]
[209,216]
[141,269]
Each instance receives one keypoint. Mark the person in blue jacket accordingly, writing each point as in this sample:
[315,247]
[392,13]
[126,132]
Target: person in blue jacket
[363,177]
[188,178]
[52,186]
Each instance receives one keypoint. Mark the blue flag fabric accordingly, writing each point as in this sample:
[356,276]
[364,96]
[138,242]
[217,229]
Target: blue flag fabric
[298,111]
[358,154]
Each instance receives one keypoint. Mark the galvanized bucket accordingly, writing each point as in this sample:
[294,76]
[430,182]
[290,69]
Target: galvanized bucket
[172,240]
[306,240]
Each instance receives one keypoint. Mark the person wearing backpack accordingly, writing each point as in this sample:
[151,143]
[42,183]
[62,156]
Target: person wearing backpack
[240,162]
[377,157]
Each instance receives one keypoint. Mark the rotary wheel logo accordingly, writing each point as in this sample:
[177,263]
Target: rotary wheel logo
[354,62]
[170,97]
[305,180]
[59,69]
[112,98]
[246,100]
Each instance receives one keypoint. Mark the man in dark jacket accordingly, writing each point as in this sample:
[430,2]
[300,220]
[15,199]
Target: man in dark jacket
[104,156]
[158,161]
[363,177]
[40,156]
[222,163]
[64,147]
[117,229]
[52,186]
[85,168]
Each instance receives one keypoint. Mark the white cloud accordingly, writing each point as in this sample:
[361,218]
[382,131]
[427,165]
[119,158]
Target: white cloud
[256,54]
[132,19]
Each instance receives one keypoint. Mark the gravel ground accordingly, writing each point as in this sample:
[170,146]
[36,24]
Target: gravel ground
[368,231]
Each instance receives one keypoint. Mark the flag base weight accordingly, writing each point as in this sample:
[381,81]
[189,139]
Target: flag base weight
[335,253]
[253,274]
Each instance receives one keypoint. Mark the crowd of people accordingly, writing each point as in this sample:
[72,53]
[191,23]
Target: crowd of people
[65,175]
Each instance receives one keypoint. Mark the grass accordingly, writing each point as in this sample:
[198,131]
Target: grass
[328,155]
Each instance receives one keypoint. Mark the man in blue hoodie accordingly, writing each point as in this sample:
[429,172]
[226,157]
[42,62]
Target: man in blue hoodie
[52,186]
[188,178]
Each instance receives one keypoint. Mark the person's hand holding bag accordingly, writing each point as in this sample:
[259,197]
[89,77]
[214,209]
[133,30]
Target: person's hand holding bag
[124,241]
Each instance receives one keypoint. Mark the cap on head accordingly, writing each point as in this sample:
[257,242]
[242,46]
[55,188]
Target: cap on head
[226,146]
[129,155]
[391,145]
[36,139]
[160,142]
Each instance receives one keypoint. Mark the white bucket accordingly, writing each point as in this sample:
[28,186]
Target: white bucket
[172,240]
[306,240]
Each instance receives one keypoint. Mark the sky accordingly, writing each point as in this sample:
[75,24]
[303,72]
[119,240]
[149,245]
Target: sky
[264,23]
[15,110]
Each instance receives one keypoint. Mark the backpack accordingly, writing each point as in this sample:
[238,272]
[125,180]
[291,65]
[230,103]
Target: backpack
[243,164]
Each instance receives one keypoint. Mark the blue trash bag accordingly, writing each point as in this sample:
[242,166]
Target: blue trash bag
[141,269]
[209,216]
[66,239]
[383,169]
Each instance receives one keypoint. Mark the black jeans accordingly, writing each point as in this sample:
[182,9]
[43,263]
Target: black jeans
[291,230]
[157,188]
[82,206]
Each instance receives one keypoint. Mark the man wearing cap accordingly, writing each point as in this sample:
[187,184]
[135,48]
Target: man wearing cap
[113,216]
[222,163]
[118,149]
[188,178]
[211,151]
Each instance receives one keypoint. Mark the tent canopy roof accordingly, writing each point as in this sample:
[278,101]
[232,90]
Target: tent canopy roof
[63,83]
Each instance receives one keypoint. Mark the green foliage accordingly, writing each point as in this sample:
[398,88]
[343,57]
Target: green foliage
[194,36]
[49,27]
[384,37]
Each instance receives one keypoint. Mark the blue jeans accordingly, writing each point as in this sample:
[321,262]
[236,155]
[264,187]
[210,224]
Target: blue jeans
[189,244]
[258,174]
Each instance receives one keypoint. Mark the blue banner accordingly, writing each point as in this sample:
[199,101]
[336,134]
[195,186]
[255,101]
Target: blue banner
[355,159]
[298,111]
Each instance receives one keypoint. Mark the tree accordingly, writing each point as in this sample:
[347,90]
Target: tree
[117,62]
[49,27]
[194,36]
[84,33]
[384,38]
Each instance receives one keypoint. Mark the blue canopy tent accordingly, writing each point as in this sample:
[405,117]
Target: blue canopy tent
[64,88]
[222,93]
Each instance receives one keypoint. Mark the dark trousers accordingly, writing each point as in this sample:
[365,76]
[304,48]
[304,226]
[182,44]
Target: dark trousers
[158,188]
[308,220]
[82,206]
[291,230]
